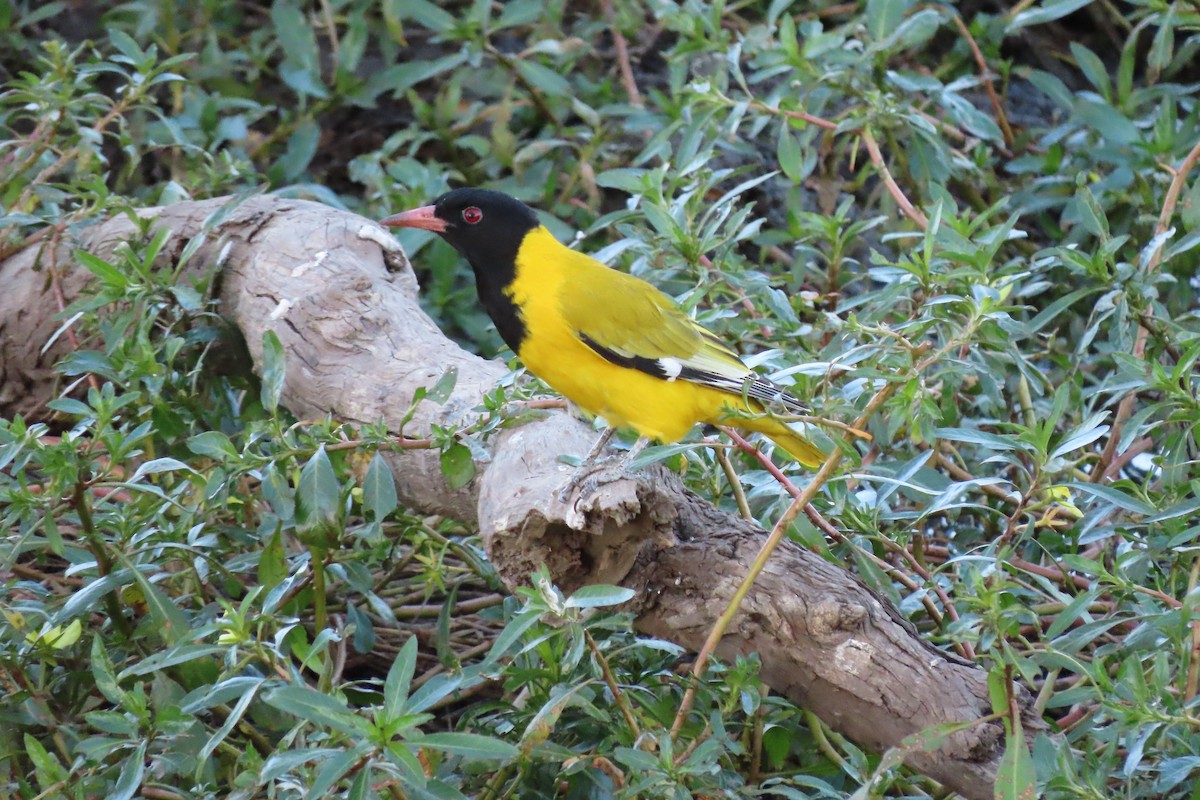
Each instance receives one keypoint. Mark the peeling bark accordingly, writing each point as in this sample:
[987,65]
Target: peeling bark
[343,300]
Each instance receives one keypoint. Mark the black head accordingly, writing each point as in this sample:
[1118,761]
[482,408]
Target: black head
[485,226]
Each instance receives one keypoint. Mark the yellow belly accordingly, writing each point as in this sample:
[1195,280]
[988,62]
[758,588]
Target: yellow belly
[624,397]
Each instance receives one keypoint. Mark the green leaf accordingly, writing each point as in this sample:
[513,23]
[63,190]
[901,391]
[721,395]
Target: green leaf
[1076,609]
[301,147]
[513,632]
[777,742]
[884,16]
[400,77]
[1085,434]
[159,465]
[69,405]
[272,562]
[85,362]
[1113,495]
[395,688]
[1189,207]
[379,489]
[410,768]
[441,390]
[1109,122]
[458,465]
[102,269]
[544,78]
[299,42]
[126,46]
[164,659]
[54,537]
[445,651]
[469,745]
[274,370]
[436,689]
[170,623]
[1162,48]
[317,708]
[333,769]
[661,452]
[1093,69]
[360,787]
[790,154]
[213,444]
[973,436]
[46,765]
[542,724]
[1015,776]
[114,722]
[1046,12]
[82,600]
[133,769]
[1185,508]
[318,500]
[599,595]
[914,31]
[428,14]
[1090,213]
[249,692]
[626,179]
[104,673]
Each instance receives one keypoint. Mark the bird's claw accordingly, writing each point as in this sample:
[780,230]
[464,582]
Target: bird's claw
[588,479]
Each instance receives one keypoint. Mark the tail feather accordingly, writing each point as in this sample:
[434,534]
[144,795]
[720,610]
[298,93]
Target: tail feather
[790,440]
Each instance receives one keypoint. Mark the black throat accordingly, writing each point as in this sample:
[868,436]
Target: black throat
[488,228]
[494,274]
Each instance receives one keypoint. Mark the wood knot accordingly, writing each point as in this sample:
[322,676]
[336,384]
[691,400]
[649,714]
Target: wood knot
[833,616]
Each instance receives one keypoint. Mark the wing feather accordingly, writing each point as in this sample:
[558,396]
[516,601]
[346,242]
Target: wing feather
[630,323]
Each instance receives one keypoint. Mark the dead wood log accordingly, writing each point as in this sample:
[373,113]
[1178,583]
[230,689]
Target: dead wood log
[342,298]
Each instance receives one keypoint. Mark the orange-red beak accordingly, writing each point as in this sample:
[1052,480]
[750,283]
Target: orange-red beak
[423,218]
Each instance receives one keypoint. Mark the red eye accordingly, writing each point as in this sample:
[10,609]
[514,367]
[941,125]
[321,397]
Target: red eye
[472,215]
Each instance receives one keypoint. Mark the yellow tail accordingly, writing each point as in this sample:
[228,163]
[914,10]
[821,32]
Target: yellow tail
[793,442]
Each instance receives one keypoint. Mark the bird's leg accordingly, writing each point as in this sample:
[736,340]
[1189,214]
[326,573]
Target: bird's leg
[636,448]
[587,470]
[593,455]
[589,461]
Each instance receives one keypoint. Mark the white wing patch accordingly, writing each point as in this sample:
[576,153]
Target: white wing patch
[671,368]
[717,370]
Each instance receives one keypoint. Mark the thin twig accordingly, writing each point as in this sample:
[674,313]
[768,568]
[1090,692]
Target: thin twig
[60,299]
[1001,117]
[1125,409]
[1193,673]
[960,474]
[627,80]
[834,534]
[910,211]
[1057,573]
[810,118]
[686,753]
[611,682]
[760,561]
[735,484]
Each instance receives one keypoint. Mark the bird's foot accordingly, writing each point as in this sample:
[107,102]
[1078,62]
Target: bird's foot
[594,472]
[587,478]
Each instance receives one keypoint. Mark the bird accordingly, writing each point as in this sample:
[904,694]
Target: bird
[609,342]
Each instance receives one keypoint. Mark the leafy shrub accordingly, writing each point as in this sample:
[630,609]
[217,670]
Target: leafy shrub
[834,187]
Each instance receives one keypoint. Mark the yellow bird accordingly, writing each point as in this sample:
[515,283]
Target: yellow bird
[611,343]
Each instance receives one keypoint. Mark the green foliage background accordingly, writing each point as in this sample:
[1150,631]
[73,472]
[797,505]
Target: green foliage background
[186,572]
